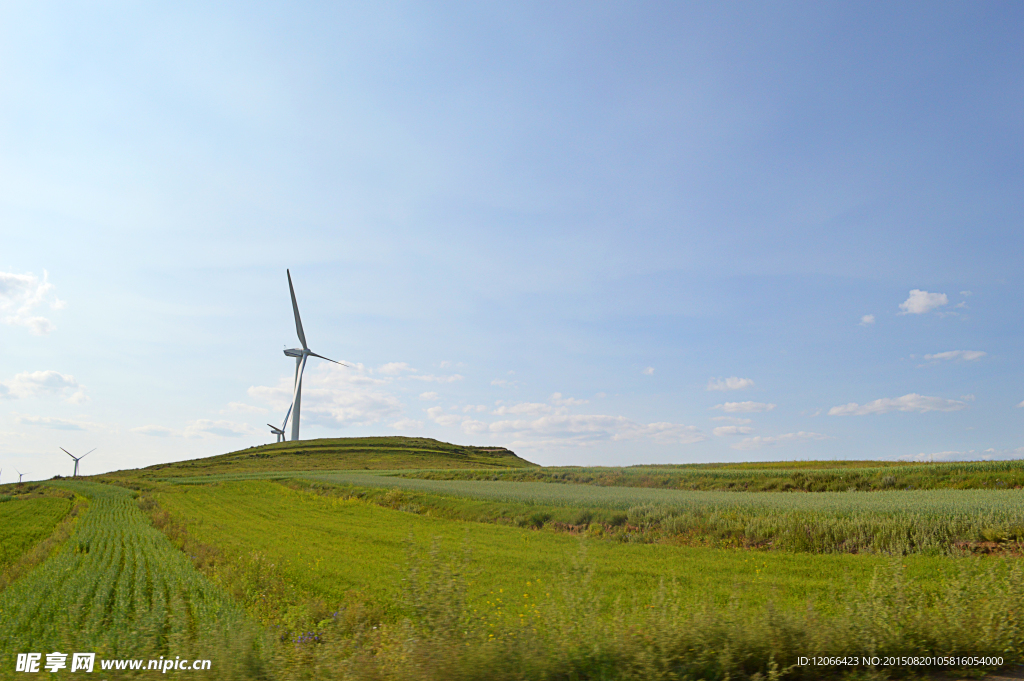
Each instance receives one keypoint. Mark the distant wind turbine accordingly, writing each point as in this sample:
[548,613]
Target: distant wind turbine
[77,458]
[20,475]
[279,432]
[300,355]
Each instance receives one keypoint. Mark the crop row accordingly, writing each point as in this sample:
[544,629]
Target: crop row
[117,587]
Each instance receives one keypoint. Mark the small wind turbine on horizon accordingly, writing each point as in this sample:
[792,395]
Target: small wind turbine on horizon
[77,458]
[300,355]
[279,432]
[20,475]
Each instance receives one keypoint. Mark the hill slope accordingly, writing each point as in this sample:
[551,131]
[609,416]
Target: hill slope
[354,453]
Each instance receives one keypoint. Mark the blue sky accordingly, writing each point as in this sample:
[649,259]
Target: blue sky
[597,233]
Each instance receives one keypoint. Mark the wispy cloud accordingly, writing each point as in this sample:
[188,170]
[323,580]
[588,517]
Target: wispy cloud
[732,419]
[922,302]
[207,427]
[407,424]
[395,369]
[21,294]
[966,455]
[912,403]
[867,320]
[54,423]
[964,355]
[649,371]
[744,407]
[551,424]
[429,397]
[771,440]
[43,384]
[731,383]
[155,431]
[732,430]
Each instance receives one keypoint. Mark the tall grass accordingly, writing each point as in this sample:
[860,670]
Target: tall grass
[816,476]
[895,522]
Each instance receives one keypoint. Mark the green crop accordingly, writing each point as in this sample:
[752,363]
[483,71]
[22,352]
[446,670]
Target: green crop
[118,588]
[23,522]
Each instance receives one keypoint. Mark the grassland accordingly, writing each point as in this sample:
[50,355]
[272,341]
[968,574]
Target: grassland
[527,604]
[367,453]
[118,587]
[894,522]
[783,476]
[278,563]
[26,522]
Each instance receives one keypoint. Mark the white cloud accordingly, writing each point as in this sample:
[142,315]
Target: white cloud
[649,371]
[407,424]
[556,398]
[968,398]
[732,430]
[569,429]
[205,427]
[43,384]
[731,383]
[154,431]
[333,396]
[438,416]
[921,302]
[502,383]
[744,407]
[523,409]
[429,378]
[965,294]
[965,355]
[732,419]
[244,408]
[1021,405]
[395,369]
[54,423]
[20,294]
[766,441]
[912,402]
[867,320]
[537,424]
[474,407]
[967,455]
[429,397]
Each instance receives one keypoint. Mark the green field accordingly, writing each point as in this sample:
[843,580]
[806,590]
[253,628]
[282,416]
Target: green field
[383,571]
[25,522]
[118,588]
[328,546]
[781,476]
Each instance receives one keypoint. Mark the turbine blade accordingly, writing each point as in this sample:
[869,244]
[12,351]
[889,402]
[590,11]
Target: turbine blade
[66,452]
[87,453]
[295,308]
[329,359]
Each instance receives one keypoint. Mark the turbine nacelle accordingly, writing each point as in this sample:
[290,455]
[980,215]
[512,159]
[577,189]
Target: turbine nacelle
[294,352]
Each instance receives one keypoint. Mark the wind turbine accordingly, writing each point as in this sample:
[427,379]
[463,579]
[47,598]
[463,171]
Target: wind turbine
[279,432]
[20,475]
[77,458]
[300,355]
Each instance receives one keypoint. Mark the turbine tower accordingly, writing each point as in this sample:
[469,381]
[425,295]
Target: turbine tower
[300,355]
[77,458]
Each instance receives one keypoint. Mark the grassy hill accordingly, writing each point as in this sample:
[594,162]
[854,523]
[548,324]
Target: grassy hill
[353,453]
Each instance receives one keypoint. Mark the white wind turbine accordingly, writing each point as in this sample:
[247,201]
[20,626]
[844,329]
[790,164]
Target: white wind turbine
[20,475]
[279,432]
[77,458]
[300,355]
